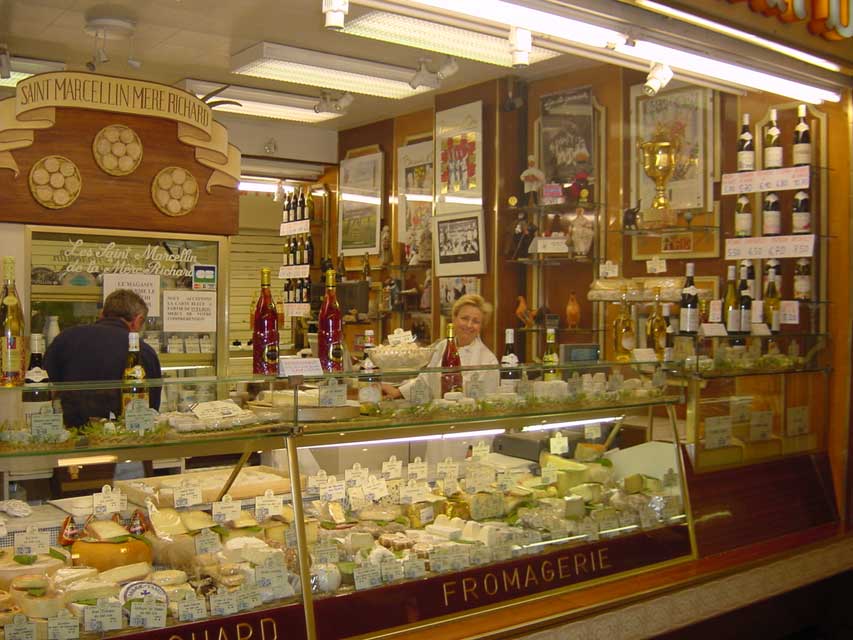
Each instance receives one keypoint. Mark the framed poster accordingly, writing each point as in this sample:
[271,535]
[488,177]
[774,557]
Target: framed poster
[458,153]
[459,244]
[360,204]
[685,116]
[414,186]
[567,136]
[453,288]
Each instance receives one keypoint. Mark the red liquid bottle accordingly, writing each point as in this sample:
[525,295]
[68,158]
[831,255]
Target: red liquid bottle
[265,331]
[331,329]
[451,380]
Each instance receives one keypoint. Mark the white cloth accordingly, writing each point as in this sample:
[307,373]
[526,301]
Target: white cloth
[471,355]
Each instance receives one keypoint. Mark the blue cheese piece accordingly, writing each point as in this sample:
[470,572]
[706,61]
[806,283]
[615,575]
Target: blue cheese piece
[485,505]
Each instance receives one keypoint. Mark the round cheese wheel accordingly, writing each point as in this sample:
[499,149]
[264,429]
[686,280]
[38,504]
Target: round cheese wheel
[109,555]
[44,565]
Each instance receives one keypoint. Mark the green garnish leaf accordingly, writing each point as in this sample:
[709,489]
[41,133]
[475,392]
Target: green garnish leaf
[26,560]
[37,592]
[56,553]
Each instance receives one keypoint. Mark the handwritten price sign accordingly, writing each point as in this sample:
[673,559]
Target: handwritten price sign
[786,179]
[766,247]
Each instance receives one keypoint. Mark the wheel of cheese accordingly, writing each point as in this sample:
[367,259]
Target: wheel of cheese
[109,555]
[44,565]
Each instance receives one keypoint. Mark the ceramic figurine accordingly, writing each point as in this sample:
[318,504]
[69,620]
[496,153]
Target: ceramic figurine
[426,296]
[582,232]
[573,312]
[533,179]
[630,218]
[385,245]
[523,313]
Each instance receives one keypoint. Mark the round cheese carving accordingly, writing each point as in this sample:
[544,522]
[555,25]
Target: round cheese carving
[174,191]
[55,182]
[111,149]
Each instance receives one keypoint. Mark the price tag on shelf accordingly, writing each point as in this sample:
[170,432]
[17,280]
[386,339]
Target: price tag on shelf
[226,509]
[759,329]
[308,367]
[400,337]
[326,553]
[766,247]
[47,427]
[215,410]
[206,541]
[297,310]
[104,616]
[223,603]
[589,528]
[789,312]
[715,311]
[391,570]
[332,394]
[414,568]
[785,179]
[426,515]
[392,468]
[294,228]
[139,417]
[629,519]
[712,330]
[106,501]
[549,475]
[355,475]
[249,597]
[504,481]
[294,272]
[367,577]
[63,626]
[356,498]
[375,488]
[315,482]
[797,420]
[417,470]
[410,492]
[481,450]
[656,265]
[268,505]
[760,425]
[32,542]
[447,469]
[192,609]
[608,270]
[558,444]
[740,408]
[592,431]
[20,628]
[188,494]
[480,555]
[334,490]
[648,518]
[150,613]
[718,432]
[450,486]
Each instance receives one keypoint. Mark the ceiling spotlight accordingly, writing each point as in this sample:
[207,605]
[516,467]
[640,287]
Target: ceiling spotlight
[447,68]
[659,76]
[424,77]
[520,46]
[330,104]
[335,12]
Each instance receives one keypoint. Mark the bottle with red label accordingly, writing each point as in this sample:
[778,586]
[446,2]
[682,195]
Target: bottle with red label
[330,330]
[265,330]
[451,380]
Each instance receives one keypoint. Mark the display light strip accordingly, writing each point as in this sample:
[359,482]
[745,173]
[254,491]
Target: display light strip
[408,439]
[551,426]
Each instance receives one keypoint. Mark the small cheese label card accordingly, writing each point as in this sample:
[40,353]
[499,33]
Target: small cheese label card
[789,312]
[656,265]
[592,431]
[334,490]
[223,603]
[226,509]
[63,626]
[559,444]
[608,270]
[481,450]
[447,469]
[326,553]
[104,616]
[760,425]
[718,431]
[450,486]
[417,470]
[549,475]
[391,570]
[206,541]
[609,521]
[459,558]
[150,613]
[249,597]
[392,468]
[268,505]
[106,501]
[308,367]
[367,577]
[356,475]
[480,555]
[648,518]
[187,494]
[20,628]
[375,488]
[504,481]
[426,515]
[715,311]
[192,609]
[671,507]
[740,409]
[420,392]
[139,417]
[628,518]
[502,552]
[797,422]
[410,492]
[216,410]
[315,482]
[332,394]
[356,498]
[712,330]
[47,427]
[414,568]
[589,528]
[31,542]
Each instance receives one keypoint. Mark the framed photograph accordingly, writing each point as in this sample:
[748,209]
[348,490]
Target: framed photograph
[360,204]
[459,244]
[567,136]
[414,186]
[458,153]
[451,289]
[685,116]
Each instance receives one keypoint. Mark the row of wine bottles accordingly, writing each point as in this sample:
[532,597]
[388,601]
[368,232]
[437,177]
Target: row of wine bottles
[299,250]
[801,144]
[771,215]
[297,206]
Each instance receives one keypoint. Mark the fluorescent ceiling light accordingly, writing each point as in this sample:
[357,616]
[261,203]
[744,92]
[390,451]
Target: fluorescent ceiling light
[355,197]
[730,73]
[509,14]
[417,197]
[432,36]
[318,69]
[476,202]
[550,426]
[405,440]
[261,103]
[258,186]
[23,68]
[740,35]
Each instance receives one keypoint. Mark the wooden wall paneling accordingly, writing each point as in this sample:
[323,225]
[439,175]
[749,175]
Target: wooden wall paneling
[116,202]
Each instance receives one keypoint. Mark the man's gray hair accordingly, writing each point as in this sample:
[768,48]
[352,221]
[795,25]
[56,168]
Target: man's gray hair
[124,303]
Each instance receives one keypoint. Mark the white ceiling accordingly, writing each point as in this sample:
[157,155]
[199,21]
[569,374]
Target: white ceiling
[176,39]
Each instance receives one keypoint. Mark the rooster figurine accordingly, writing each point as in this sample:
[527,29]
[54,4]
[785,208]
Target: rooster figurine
[523,313]
[573,312]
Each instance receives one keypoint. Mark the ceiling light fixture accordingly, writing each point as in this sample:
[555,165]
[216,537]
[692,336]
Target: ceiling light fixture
[335,12]
[319,69]
[520,46]
[259,102]
[425,78]
[659,76]
[331,104]
[441,38]
[21,68]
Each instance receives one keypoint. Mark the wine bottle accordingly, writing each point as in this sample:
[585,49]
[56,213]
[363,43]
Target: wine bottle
[624,333]
[309,250]
[773,143]
[771,216]
[365,269]
[801,217]
[745,302]
[772,302]
[750,277]
[509,375]
[803,279]
[802,148]
[774,264]
[330,329]
[688,318]
[551,358]
[743,216]
[667,317]
[309,206]
[656,326]
[134,373]
[451,378]
[36,401]
[265,330]
[12,322]
[285,208]
[301,252]
[302,205]
[731,308]
[288,291]
[745,147]
[294,207]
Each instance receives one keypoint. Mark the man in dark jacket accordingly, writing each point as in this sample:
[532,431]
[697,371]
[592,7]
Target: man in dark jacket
[99,352]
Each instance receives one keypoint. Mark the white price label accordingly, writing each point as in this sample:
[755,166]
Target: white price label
[392,468]
[106,501]
[316,482]
[504,481]
[628,519]
[356,475]
[411,492]
[391,570]
[414,568]
[559,444]
[47,426]
[356,498]
[188,494]
[786,179]
[549,475]
[656,265]
[308,367]
[268,505]
[63,627]
[150,614]
[740,409]
[294,228]
[760,425]
[797,421]
[589,528]
[766,247]
[104,616]
[294,272]
[417,470]
[334,491]
[225,510]
[450,486]
[459,558]
[192,609]
[648,518]
[481,450]
[297,310]
[447,469]
[609,521]
[608,270]
[20,629]
[31,542]
[592,431]
[715,311]
[216,410]
[718,431]
[223,603]
[480,555]
[326,553]
[367,577]
[426,515]
[206,541]
[139,418]
[789,312]
[375,488]
[333,394]
[712,330]
[249,597]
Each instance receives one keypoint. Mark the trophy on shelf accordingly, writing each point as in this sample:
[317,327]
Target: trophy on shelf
[658,159]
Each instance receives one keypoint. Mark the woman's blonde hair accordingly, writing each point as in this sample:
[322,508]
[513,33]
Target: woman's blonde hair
[473,300]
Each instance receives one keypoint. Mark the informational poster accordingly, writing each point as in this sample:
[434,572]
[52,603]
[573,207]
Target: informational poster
[146,285]
[191,311]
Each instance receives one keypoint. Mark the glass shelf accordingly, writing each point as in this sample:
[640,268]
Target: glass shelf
[714,374]
[565,330]
[662,231]
[543,209]
[554,259]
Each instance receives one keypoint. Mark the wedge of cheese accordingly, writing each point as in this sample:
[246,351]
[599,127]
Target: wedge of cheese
[127,573]
[90,589]
[589,491]
[197,520]
[105,530]
[44,565]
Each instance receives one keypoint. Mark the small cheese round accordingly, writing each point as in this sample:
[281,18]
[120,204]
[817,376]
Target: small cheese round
[109,161]
[57,180]
[125,163]
[66,169]
[41,177]
[162,197]
[187,202]
[174,206]
[134,150]
[51,164]
[112,134]
[102,146]
[118,149]
[179,176]
[61,197]
[176,192]
[126,135]
[72,183]
[190,186]
[45,194]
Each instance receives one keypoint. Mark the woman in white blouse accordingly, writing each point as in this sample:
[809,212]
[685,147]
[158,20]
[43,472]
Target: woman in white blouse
[470,313]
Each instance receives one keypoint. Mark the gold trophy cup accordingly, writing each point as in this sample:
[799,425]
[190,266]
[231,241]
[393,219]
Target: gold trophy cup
[658,163]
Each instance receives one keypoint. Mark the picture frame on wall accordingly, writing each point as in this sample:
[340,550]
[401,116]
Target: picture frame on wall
[450,289]
[414,187]
[567,136]
[360,204]
[459,244]
[458,156]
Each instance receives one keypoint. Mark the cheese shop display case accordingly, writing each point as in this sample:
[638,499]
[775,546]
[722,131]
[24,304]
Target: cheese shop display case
[393,512]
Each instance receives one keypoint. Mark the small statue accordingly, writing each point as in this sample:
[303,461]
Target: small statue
[533,179]
[394,294]
[542,314]
[573,312]
[339,276]
[426,296]
[630,217]
[583,232]
[385,245]
[523,313]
